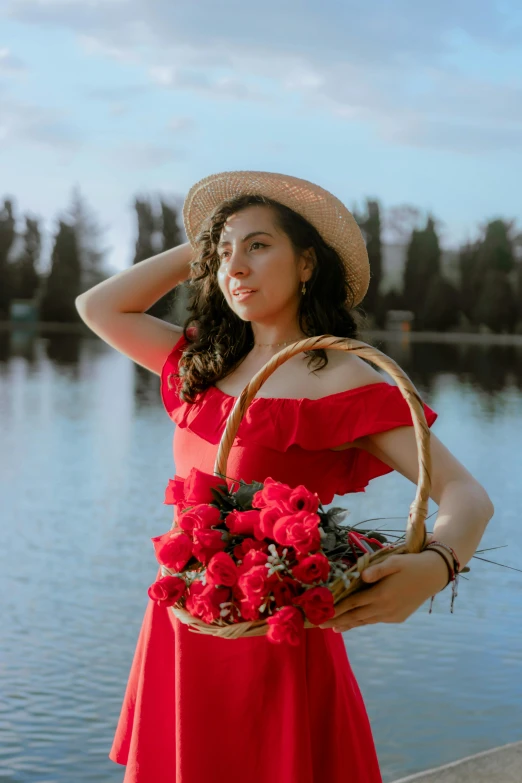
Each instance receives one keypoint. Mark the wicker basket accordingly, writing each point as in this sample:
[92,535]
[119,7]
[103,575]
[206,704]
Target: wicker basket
[415,537]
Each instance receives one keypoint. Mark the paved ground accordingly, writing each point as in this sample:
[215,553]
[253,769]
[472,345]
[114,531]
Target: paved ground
[500,765]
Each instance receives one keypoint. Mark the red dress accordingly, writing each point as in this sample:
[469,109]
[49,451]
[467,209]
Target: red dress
[199,709]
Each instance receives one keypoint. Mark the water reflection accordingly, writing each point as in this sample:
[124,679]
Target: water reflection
[85,455]
[489,368]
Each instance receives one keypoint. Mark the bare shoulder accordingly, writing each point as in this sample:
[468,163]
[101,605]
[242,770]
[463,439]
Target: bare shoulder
[344,372]
[349,371]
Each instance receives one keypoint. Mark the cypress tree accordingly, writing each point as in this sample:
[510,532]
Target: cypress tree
[88,237]
[469,281]
[412,284]
[7,237]
[493,303]
[422,269]
[26,280]
[441,309]
[171,236]
[370,225]
[145,243]
[496,306]
[63,282]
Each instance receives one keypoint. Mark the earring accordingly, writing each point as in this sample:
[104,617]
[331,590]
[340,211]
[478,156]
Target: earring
[303,289]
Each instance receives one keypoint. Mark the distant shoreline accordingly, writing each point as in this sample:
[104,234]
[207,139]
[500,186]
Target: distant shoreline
[395,335]
[445,337]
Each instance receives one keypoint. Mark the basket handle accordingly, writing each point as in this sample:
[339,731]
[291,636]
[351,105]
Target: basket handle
[416,529]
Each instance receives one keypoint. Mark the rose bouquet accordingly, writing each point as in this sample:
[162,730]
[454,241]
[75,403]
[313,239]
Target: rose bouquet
[264,555]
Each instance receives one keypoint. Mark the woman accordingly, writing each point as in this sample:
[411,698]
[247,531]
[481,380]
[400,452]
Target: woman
[272,259]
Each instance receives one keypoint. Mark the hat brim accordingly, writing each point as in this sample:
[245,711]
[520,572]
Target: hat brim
[334,222]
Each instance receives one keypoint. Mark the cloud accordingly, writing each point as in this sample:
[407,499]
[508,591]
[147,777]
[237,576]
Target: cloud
[386,64]
[24,123]
[459,137]
[118,99]
[118,109]
[200,81]
[144,156]
[180,124]
[450,107]
[10,65]
[331,31]
[116,94]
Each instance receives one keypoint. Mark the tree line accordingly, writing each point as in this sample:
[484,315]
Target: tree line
[488,294]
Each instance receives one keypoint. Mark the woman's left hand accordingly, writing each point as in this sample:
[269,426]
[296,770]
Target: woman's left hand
[404,583]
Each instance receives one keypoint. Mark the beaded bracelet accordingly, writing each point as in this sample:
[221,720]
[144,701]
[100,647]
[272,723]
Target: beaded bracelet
[451,574]
[453,571]
[456,561]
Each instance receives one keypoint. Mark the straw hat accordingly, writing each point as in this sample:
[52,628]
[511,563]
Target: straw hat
[325,212]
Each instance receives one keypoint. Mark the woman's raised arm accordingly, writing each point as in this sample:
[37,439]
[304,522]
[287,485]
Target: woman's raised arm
[115,308]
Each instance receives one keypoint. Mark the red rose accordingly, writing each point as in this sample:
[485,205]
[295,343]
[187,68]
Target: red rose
[243,523]
[237,592]
[254,557]
[301,499]
[317,604]
[273,493]
[207,543]
[198,486]
[268,517]
[167,591]
[248,611]
[314,568]
[284,591]
[208,602]
[200,516]
[180,508]
[173,550]
[221,570]
[174,492]
[246,545]
[193,592]
[204,601]
[254,585]
[299,530]
[286,625]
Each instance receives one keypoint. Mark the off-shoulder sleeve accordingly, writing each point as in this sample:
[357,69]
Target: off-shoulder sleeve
[390,410]
[169,383]
[313,425]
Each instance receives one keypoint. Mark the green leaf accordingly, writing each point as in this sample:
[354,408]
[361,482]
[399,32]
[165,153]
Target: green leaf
[334,516]
[244,495]
[330,541]
[222,499]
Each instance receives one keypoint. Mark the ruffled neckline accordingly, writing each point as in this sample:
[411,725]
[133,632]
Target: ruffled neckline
[299,399]
[282,422]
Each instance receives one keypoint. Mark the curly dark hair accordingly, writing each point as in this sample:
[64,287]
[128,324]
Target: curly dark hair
[222,339]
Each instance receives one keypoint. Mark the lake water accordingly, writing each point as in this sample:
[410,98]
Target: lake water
[85,455]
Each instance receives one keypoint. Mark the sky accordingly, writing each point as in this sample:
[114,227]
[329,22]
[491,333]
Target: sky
[403,101]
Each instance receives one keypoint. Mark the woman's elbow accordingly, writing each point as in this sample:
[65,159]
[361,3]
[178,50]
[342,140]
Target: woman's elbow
[485,500]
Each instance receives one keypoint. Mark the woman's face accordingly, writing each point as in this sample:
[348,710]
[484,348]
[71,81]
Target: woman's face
[258,273]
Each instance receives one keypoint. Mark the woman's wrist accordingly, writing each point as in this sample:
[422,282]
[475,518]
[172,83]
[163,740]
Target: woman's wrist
[437,566]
